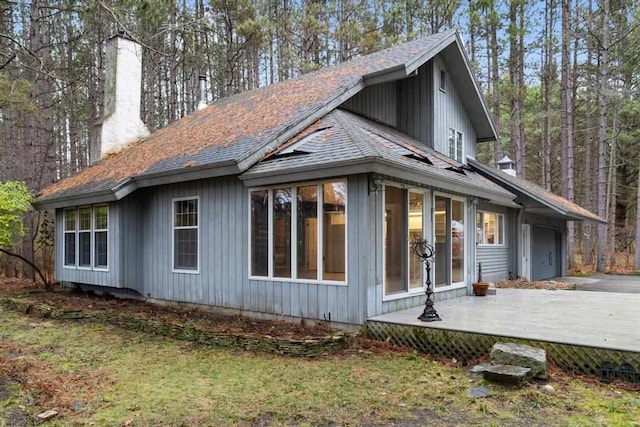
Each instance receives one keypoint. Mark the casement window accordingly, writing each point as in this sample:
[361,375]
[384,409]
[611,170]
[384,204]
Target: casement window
[185,235]
[404,219]
[455,144]
[298,232]
[490,228]
[86,231]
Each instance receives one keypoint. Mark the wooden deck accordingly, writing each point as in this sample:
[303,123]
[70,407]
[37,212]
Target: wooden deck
[580,330]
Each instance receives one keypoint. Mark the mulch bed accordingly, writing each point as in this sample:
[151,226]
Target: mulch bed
[542,284]
[65,299]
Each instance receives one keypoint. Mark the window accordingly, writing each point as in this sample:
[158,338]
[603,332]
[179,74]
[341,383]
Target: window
[70,237]
[443,80]
[403,223]
[455,144]
[449,220]
[185,235]
[490,228]
[86,237]
[100,235]
[299,232]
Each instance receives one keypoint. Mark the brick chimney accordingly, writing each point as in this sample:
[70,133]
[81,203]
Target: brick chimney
[121,123]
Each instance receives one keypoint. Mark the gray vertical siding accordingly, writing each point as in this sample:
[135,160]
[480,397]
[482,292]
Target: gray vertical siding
[131,249]
[497,261]
[378,102]
[112,277]
[415,105]
[449,112]
[223,278]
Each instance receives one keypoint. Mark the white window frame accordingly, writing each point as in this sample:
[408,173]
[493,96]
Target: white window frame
[427,230]
[190,227]
[93,237]
[480,226]
[294,233]
[458,139]
[455,285]
[443,80]
[91,231]
[90,266]
[64,239]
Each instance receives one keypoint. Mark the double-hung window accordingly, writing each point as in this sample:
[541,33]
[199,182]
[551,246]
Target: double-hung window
[185,235]
[490,228]
[86,231]
[70,237]
[100,236]
[455,144]
[84,237]
[299,232]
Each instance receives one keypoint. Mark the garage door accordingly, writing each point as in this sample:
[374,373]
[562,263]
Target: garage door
[544,260]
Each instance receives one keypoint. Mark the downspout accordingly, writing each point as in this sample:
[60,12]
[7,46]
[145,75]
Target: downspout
[518,251]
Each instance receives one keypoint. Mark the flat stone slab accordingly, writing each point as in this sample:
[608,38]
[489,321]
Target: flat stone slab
[507,374]
[521,355]
[478,369]
[478,392]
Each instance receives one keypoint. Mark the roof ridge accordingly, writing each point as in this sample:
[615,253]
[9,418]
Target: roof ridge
[362,144]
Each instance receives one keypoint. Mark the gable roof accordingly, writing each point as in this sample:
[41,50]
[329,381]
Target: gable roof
[232,134]
[344,142]
[534,197]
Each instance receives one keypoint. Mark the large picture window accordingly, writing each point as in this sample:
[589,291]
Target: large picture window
[185,235]
[490,228]
[86,232]
[299,232]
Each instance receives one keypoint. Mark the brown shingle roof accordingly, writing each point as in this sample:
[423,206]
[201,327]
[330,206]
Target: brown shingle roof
[344,137]
[533,191]
[233,129]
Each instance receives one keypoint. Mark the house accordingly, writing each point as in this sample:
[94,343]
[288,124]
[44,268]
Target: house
[300,199]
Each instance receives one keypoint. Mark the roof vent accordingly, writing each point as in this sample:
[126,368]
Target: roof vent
[507,165]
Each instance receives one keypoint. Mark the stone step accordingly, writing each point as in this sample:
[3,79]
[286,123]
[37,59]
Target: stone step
[506,374]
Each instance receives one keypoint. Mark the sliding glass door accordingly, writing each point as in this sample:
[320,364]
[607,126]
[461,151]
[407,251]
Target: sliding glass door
[449,240]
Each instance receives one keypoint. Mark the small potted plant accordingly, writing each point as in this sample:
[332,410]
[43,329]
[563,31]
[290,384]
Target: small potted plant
[480,288]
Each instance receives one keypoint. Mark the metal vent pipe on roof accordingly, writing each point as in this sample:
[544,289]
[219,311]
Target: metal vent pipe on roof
[202,92]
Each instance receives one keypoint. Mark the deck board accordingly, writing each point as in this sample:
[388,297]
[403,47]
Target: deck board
[587,319]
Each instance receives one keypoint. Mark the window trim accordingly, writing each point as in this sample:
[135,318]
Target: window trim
[443,80]
[481,225]
[173,236]
[294,233]
[91,232]
[73,266]
[465,201]
[456,133]
[427,228]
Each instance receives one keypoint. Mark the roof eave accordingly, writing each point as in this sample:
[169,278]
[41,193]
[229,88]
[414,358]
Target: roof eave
[494,176]
[104,196]
[123,189]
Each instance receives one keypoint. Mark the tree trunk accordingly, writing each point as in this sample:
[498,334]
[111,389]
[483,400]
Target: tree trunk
[603,104]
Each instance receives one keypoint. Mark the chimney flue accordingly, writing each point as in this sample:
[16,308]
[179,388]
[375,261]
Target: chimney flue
[202,92]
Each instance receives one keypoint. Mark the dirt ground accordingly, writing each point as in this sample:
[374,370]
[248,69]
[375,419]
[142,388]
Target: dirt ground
[72,300]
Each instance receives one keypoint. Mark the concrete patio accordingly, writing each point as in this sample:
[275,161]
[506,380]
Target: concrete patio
[581,330]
